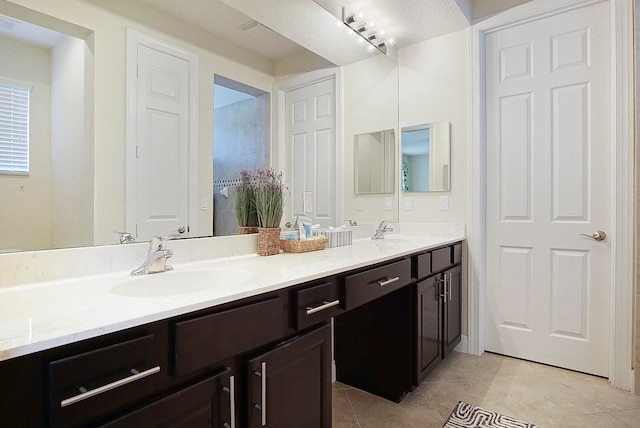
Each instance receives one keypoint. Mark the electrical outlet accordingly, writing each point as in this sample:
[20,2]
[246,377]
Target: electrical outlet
[408,203]
[444,202]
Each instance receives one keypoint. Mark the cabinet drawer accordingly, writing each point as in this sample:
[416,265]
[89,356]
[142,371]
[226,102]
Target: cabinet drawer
[206,340]
[89,385]
[373,283]
[441,259]
[316,304]
[457,254]
[424,265]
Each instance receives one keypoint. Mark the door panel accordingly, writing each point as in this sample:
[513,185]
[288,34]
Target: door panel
[311,151]
[548,182]
[162,143]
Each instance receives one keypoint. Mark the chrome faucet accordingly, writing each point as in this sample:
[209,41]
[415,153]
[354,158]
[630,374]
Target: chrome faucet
[125,237]
[382,230]
[156,259]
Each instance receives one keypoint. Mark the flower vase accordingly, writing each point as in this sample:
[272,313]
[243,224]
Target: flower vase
[268,241]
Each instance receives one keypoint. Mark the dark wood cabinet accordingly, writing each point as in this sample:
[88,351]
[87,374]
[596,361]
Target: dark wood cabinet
[201,405]
[429,314]
[261,361]
[290,385]
[438,307]
[452,309]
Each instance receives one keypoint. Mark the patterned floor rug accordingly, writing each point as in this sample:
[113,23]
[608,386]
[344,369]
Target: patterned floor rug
[466,415]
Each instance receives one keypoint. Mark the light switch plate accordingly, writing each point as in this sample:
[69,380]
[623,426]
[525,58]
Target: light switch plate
[359,204]
[408,203]
[444,202]
[204,203]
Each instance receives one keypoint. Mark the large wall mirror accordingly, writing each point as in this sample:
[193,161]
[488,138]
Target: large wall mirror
[375,162]
[88,194]
[426,160]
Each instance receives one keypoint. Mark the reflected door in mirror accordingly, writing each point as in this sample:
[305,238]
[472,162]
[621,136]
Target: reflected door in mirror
[375,162]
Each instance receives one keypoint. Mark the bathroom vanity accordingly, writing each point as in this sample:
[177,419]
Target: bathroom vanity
[255,357]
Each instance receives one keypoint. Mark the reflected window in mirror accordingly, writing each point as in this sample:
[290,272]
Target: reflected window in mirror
[375,162]
[53,170]
[241,132]
[425,165]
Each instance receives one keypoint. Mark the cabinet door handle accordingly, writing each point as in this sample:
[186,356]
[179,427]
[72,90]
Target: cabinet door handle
[232,402]
[325,305]
[388,281]
[263,392]
[108,387]
[443,281]
[450,298]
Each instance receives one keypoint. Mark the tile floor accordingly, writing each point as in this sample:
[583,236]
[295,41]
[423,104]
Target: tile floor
[535,393]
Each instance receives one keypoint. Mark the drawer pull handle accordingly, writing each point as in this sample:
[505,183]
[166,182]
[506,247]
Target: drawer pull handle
[325,305]
[108,387]
[388,281]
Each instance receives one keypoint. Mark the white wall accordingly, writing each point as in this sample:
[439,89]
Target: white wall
[25,208]
[71,154]
[107,44]
[370,105]
[434,86]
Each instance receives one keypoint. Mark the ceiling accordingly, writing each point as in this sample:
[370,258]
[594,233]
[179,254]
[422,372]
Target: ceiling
[29,32]
[251,23]
[409,21]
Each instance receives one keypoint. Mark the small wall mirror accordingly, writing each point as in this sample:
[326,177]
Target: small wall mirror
[425,158]
[375,162]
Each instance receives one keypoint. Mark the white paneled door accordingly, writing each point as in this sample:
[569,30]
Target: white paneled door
[162,153]
[549,183]
[311,150]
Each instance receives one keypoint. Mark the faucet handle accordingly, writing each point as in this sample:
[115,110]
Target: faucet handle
[157,243]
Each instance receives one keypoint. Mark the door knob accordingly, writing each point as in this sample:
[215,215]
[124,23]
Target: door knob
[598,235]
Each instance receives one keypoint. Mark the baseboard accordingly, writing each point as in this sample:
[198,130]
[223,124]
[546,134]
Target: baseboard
[333,371]
[463,346]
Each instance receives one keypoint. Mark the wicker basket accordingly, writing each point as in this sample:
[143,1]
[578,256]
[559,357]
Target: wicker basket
[306,245]
[245,230]
[268,238]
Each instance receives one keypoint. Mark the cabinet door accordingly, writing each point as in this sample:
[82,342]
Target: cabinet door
[429,312]
[453,309]
[290,386]
[202,404]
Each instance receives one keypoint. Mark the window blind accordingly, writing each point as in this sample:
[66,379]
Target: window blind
[14,129]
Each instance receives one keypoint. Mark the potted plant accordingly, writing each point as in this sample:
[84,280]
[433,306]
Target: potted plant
[269,204]
[245,204]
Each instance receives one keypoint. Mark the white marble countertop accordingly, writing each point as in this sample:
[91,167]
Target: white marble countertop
[41,315]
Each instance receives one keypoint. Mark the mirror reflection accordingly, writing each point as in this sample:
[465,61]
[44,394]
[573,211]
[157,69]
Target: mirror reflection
[425,165]
[84,203]
[375,162]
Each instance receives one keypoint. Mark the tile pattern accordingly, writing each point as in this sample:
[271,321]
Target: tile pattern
[535,393]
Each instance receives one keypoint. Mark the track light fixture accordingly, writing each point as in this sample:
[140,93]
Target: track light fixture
[377,39]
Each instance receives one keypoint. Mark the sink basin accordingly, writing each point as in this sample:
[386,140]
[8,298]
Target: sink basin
[179,282]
